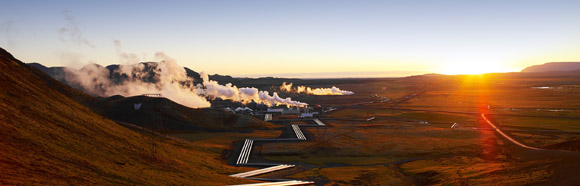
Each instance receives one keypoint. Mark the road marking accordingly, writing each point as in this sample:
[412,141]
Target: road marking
[506,136]
[242,152]
[245,152]
[261,171]
[298,132]
[244,156]
[319,122]
[280,183]
[249,150]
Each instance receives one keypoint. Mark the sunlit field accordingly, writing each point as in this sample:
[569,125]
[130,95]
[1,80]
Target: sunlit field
[325,93]
[411,139]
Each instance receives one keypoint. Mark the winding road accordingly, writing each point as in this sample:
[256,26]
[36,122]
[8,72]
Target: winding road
[505,135]
[246,150]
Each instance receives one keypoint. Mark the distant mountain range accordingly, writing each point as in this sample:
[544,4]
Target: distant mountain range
[553,66]
[59,73]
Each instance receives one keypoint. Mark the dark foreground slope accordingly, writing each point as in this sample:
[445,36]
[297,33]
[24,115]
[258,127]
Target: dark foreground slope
[164,115]
[48,138]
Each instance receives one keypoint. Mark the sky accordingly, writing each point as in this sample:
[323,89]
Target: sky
[298,38]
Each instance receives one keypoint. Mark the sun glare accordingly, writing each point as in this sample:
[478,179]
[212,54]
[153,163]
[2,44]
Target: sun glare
[467,69]
[472,67]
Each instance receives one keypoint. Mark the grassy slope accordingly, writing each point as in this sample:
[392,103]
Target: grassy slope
[162,114]
[352,175]
[46,137]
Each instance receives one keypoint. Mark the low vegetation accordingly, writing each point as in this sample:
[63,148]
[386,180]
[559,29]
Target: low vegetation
[48,138]
[51,136]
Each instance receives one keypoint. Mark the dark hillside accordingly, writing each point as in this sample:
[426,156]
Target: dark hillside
[164,115]
[48,138]
[69,92]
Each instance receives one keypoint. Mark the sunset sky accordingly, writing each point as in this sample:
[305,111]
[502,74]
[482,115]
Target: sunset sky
[298,38]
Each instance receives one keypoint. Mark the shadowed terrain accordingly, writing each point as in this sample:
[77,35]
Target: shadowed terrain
[164,115]
[52,134]
[49,136]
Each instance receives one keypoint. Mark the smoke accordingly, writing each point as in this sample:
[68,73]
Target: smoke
[228,91]
[71,58]
[165,77]
[317,91]
[72,32]
[7,30]
[328,91]
[125,58]
[286,87]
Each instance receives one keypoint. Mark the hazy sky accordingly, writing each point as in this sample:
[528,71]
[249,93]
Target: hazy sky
[312,38]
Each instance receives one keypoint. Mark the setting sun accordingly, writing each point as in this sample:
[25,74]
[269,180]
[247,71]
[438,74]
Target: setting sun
[474,66]
[308,93]
[477,68]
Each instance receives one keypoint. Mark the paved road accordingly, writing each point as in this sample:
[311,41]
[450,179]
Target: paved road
[246,150]
[261,171]
[279,183]
[318,122]
[506,136]
[298,132]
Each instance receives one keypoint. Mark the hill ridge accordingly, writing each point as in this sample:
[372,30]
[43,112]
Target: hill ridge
[49,138]
[553,66]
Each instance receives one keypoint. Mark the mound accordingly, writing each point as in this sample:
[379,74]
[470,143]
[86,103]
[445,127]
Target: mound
[553,66]
[570,145]
[49,138]
[164,115]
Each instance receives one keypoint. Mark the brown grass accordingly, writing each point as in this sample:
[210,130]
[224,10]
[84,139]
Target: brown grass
[465,170]
[47,138]
[447,156]
[352,175]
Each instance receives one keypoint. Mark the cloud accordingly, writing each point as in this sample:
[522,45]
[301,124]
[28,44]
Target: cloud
[314,91]
[72,32]
[164,77]
[7,29]
[286,87]
[167,78]
[228,91]
[72,59]
[124,57]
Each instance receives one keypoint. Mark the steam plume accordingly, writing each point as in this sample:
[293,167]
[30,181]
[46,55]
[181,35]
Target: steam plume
[7,29]
[286,87]
[317,91]
[72,31]
[228,91]
[125,58]
[167,78]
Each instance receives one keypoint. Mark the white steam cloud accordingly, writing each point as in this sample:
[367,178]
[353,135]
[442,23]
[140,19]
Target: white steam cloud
[72,32]
[169,79]
[212,89]
[316,91]
[166,78]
